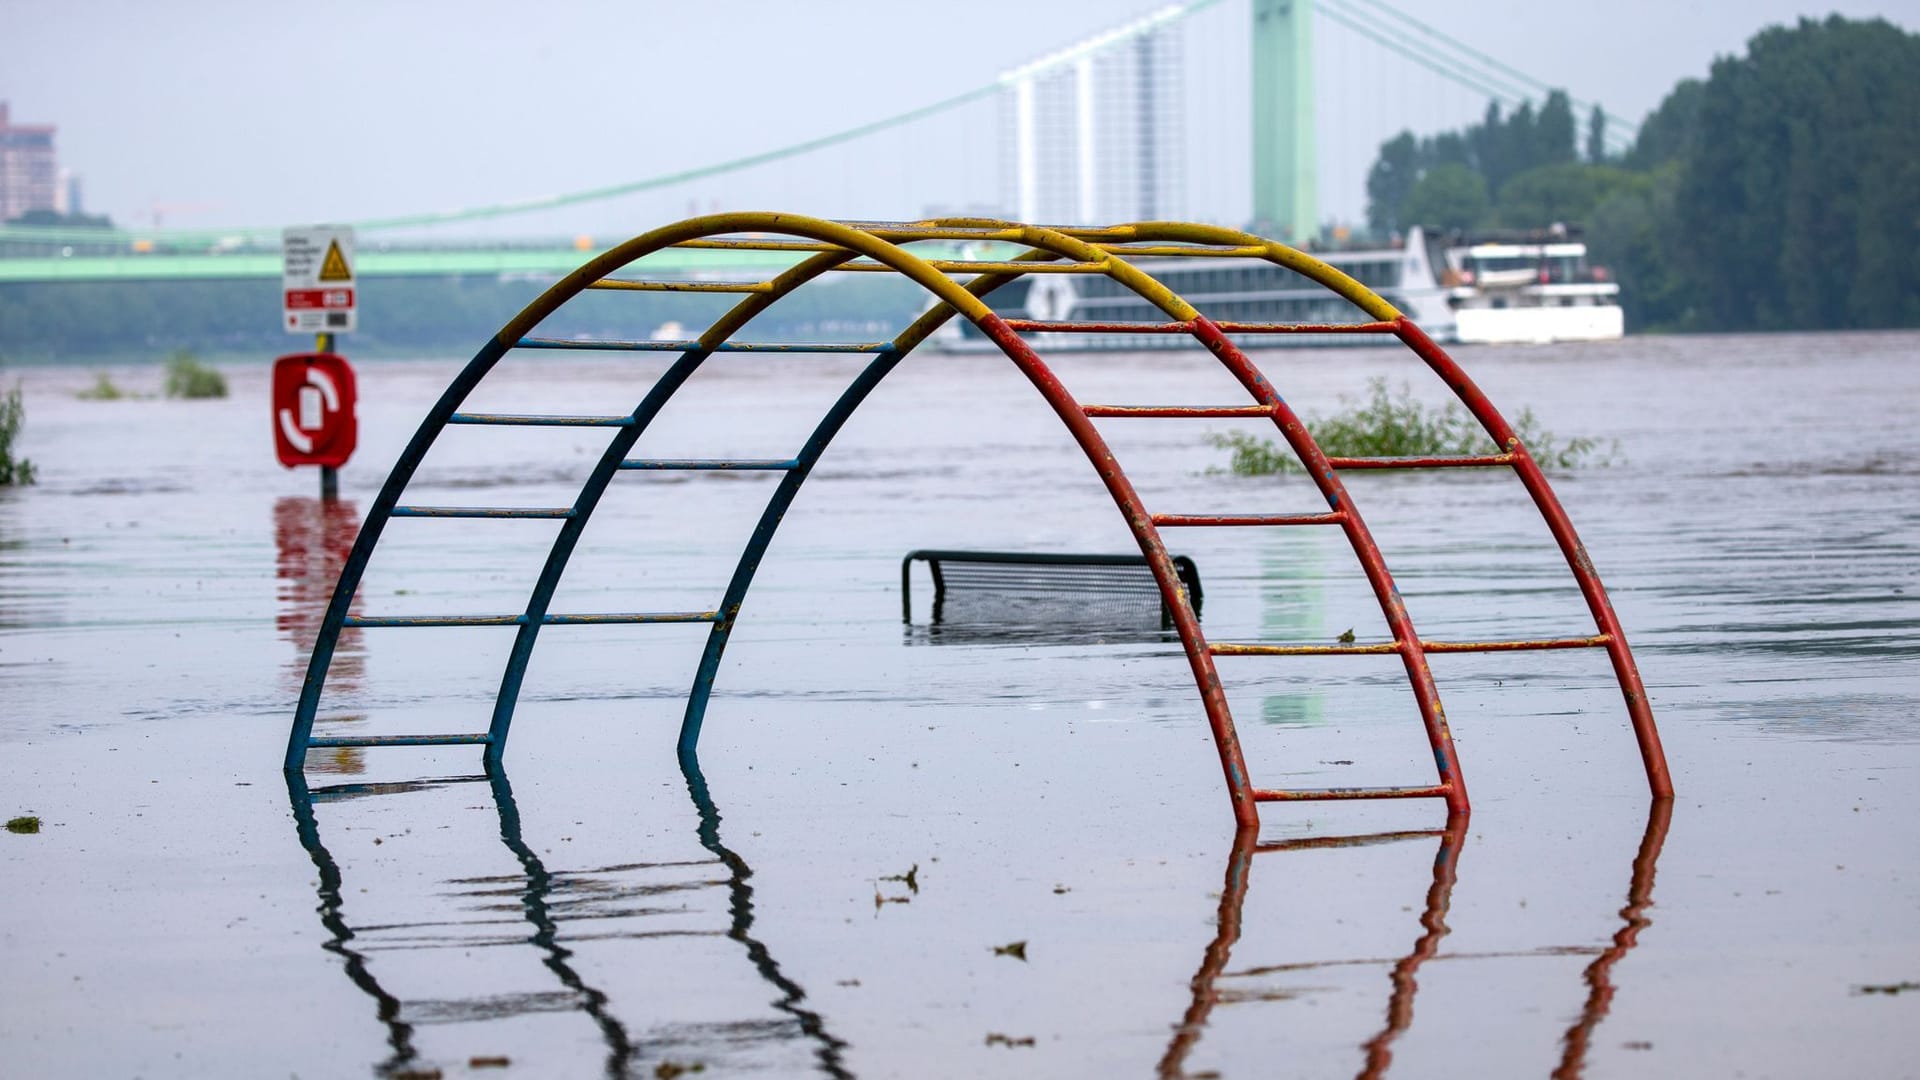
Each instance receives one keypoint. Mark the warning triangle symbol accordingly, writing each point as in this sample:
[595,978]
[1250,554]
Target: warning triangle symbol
[334,266]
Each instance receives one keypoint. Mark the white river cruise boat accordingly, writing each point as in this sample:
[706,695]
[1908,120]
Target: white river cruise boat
[1506,288]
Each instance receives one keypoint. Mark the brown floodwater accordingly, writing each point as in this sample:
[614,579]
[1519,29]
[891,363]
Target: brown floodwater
[885,811]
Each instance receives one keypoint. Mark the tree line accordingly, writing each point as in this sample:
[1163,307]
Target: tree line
[44,322]
[1781,192]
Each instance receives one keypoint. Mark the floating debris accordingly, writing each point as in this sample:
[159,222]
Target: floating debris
[26,825]
[1346,636]
[994,1038]
[1884,988]
[1017,950]
[493,1061]
[911,879]
[667,1070]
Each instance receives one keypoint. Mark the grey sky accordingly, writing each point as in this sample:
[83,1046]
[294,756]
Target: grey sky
[237,112]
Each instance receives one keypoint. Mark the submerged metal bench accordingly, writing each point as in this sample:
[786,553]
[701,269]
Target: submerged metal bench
[1104,584]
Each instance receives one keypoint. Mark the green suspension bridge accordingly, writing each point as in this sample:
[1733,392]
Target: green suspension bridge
[1284,165]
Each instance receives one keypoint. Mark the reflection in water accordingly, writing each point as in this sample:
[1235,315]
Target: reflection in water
[740,907]
[1378,1054]
[1599,974]
[387,1007]
[313,538]
[537,889]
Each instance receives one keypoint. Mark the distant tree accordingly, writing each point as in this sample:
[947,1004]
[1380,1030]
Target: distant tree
[1390,181]
[1552,138]
[1632,234]
[1803,209]
[50,218]
[1597,136]
[1567,192]
[1669,131]
[1450,196]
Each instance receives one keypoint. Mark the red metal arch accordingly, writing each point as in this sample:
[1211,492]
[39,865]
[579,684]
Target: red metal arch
[825,246]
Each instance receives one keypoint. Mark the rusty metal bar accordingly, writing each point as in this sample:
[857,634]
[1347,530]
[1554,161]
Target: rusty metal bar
[1430,791]
[1306,328]
[1178,251]
[625,285]
[1042,326]
[1338,517]
[609,345]
[973,266]
[1226,648]
[1229,648]
[1448,461]
[1180,412]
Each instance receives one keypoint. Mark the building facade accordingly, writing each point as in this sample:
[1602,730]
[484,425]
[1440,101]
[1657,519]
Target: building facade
[1092,135]
[29,171]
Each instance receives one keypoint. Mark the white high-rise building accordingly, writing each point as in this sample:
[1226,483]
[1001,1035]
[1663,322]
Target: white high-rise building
[1092,135]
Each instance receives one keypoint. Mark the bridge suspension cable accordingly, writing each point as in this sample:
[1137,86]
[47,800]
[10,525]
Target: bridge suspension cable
[1455,61]
[1461,62]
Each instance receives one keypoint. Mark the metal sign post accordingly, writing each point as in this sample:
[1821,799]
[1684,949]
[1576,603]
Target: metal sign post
[319,296]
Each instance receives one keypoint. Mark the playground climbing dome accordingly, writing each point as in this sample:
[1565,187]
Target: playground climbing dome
[1125,254]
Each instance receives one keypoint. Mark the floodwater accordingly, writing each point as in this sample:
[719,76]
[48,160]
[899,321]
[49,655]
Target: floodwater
[923,851]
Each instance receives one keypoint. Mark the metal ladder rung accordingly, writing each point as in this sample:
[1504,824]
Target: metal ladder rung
[709,464]
[589,619]
[1228,648]
[1308,328]
[1597,641]
[1461,461]
[398,740]
[614,345]
[1181,251]
[1219,648]
[985,266]
[629,285]
[524,420]
[1040,326]
[1203,520]
[1431,791]
[1182,412]
[1043,326]
[482,511]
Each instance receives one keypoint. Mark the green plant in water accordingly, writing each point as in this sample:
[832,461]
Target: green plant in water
[13,415]
[187,377]
[1395,425]
[103,389]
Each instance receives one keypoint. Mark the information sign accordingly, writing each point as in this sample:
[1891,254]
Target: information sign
[319,296]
